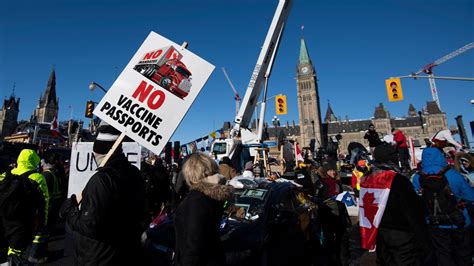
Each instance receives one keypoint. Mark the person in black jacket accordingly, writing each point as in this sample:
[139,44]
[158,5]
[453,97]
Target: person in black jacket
[373,137]
[402,237]
[157,188]
[198,216]
[332,217]
[108,225]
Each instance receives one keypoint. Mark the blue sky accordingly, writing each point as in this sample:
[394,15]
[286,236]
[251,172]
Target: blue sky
[354,46]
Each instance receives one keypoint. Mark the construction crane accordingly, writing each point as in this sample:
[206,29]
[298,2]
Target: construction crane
[236,94]
[428,69]
[241,133]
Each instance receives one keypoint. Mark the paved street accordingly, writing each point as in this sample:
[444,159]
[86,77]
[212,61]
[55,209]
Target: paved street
[61,251]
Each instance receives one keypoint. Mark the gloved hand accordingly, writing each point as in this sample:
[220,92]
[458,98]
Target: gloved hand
[69,207]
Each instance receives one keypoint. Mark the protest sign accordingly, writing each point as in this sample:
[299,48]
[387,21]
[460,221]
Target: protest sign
[83,163]
[154,91]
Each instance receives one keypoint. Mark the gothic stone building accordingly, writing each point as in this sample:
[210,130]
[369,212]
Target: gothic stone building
[9,116]
[413,125]
[48,103]
[312,127]
[308,99]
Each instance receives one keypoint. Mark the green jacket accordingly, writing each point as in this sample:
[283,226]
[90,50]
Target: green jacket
[29,160]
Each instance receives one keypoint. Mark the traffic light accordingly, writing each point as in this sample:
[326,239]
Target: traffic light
[280,105]
[394,89]
[89,109]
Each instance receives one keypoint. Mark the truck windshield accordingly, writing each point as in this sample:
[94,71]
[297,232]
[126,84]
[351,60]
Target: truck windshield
[219,148]
[183,72]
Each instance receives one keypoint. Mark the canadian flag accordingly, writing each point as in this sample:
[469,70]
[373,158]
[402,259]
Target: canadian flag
[298,155]
[54,127]
[374,192]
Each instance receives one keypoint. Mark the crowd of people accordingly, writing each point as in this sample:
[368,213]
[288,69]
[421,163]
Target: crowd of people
[425,220]
[426,217]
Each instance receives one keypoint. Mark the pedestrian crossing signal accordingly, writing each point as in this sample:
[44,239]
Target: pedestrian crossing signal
[394,89]
[280,105]
[90,109]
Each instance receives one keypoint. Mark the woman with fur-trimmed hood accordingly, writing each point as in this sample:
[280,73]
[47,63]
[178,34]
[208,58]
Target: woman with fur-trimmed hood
[198,216]
[464,164]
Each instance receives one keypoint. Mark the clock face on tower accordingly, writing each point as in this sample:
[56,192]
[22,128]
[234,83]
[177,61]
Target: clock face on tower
[304,70]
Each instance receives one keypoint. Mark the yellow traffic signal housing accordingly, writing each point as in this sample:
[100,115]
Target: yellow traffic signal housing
[89,109]
[394,89]
[280,105]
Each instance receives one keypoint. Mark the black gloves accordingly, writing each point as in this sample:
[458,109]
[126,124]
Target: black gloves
[69,208]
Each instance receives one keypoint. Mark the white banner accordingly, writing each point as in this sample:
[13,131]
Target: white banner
[83,164]
[154,91]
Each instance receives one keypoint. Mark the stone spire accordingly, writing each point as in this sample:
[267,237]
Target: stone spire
[49,96]
[304,56]
[380,112]
[412,111]
[330,116]
[48,104]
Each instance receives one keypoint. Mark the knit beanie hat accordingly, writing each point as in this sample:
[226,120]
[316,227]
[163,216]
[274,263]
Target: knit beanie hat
[385,153]
[105,139]
[329,166]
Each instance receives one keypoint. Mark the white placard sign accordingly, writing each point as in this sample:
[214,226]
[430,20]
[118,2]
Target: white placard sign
[154,91]
[83,164]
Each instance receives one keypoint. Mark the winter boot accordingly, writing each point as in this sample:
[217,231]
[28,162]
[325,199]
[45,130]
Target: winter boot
[38,253]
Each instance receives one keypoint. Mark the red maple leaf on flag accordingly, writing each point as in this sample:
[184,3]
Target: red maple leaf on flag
[370,207]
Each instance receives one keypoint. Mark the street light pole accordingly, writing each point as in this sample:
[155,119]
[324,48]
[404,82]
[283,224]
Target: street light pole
[256,110]
[93,86]
[420,114]
[276,123]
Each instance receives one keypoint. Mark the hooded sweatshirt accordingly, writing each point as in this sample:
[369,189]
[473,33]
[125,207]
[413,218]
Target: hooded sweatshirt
[28,160]
[432,162]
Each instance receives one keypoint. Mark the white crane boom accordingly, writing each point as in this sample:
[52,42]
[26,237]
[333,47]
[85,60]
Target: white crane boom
[236,94]
[264,62]
[258,80]
[454,54]
[428,69]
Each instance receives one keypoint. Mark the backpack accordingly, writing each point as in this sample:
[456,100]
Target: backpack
[439,200]
[17,194]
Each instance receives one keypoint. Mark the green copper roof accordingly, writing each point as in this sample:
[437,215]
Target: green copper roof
[304,57]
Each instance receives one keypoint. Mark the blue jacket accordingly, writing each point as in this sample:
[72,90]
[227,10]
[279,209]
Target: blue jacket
[432,161]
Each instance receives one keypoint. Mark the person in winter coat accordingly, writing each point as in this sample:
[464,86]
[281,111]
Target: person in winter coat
[157,188]
[444,138]
[333,216]
[451,242]
[226,169]
[356,152]
[402,148]
[25,217]
[373,137]
[197,218]
[402,234]
[107,227]
[330,182]
[39,248]
[54,180]
[464,164]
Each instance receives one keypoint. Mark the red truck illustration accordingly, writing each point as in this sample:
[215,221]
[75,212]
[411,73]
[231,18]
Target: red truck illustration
[164,67]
